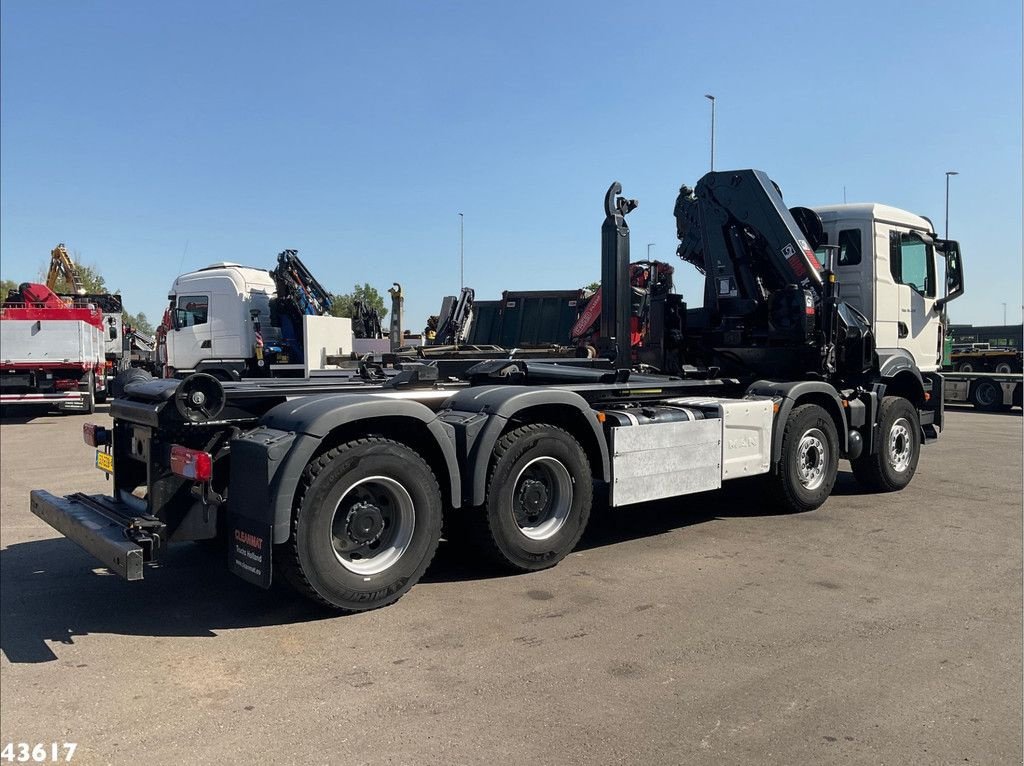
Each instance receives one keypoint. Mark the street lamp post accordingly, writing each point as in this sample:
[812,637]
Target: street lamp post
[462,251]
[649,246]
[948,174]
[712,100]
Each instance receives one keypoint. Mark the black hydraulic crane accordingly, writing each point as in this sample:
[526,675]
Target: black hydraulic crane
[769,307]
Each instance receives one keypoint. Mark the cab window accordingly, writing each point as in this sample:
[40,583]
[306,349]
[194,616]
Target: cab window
[912,262]
[849,247]
[192,310]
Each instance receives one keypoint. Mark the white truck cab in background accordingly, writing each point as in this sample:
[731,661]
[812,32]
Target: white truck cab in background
[213,319]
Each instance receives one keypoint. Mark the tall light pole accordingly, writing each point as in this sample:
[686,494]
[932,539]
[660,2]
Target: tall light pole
[462,251]
[649,246]
[948,174]
[712,100]
[1004,315]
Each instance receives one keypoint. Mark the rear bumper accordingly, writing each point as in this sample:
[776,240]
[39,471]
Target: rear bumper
[113,533]
[64,397]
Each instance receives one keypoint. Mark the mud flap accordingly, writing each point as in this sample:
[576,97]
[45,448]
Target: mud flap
[256,459]
[249,550]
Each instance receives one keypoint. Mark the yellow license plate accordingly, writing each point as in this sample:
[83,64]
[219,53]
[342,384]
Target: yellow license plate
[105,461]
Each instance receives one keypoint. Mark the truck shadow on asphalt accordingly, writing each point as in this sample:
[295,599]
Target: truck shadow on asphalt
[51,591]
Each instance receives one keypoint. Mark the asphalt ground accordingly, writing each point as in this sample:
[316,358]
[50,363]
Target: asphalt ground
[882,629]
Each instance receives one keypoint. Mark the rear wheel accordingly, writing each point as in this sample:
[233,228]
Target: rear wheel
[367,525]
[894,464]
[539,494]
[810,459]
[987,395]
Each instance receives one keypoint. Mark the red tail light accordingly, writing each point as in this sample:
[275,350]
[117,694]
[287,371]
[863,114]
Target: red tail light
[191,463]
[94,435]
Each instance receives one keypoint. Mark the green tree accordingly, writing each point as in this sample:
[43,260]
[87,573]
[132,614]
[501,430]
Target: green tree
[6,285]
[341,303]
[138,321]
[592,287]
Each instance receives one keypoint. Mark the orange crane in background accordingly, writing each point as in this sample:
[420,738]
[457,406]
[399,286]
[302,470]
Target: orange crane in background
[61,265]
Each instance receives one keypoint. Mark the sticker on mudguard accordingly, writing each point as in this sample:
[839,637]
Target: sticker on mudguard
[249,551]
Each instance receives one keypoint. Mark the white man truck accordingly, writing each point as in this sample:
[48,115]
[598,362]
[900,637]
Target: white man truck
[340,487]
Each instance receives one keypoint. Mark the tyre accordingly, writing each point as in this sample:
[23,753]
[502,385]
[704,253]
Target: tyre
[987,395]
[539,494]
[809,463]
[1004,368]
[893,466]
[965,367]
[366,525]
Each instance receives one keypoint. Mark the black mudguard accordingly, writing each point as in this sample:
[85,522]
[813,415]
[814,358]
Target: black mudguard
[479,415]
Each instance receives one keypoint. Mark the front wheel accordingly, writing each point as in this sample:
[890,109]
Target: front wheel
[367,525]
[539,494]
[809,462]
[894,463]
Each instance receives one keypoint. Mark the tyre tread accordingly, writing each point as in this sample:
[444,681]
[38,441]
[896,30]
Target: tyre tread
[286,555]
[868,469]
[481,536]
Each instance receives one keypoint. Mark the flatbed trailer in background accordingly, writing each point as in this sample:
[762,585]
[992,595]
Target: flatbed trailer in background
[988,391]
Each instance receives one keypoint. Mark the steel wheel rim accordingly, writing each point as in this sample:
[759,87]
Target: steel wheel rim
[900,442]
[372,525]
[812,459]
[542,498]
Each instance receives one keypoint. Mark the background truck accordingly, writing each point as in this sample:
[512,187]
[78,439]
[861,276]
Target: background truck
[341,486]
[52,349]
[984,368]
[232,321]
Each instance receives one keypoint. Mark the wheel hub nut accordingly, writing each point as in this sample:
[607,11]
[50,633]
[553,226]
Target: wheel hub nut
[364,523]
[534,496]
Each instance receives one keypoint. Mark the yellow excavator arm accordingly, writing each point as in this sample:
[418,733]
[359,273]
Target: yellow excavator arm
[61,265]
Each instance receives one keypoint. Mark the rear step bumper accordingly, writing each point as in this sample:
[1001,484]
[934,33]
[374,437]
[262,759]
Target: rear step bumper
[116,535]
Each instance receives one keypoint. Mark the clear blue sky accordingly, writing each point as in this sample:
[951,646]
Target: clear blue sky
[356,132]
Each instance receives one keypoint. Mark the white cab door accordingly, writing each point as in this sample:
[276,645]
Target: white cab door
[913,269]
[191,340]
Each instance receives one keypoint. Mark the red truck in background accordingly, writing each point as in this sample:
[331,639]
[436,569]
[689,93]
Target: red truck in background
[52,349]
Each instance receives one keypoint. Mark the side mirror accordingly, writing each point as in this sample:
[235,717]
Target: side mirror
[180,317]
[954,272]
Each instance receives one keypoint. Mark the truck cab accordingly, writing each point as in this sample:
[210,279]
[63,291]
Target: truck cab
[211,316]
[889,265]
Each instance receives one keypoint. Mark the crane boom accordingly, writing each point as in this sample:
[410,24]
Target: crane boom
[62,265]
